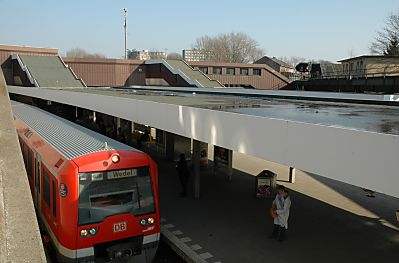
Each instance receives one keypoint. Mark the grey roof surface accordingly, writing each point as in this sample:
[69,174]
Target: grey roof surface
[368,56]
[380,119]
[282,63]
[49,71]
[68,138]
[364,117]
[331,69]
[162,97]
[374,118]
[265,59]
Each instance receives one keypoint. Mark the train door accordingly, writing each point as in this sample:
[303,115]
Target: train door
[54,203]
[36,194]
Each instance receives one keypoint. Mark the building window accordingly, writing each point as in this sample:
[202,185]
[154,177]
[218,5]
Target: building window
[217,71]
[257,71]
[46,188]
[244,71]
[204,69]
[230,71]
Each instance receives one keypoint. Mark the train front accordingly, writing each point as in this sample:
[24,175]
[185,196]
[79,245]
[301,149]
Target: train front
[118,214]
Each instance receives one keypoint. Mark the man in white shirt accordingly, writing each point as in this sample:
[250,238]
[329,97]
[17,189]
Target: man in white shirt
[280,212]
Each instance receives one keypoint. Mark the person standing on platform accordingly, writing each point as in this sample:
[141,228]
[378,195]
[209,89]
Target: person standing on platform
[280,212]
[183,173]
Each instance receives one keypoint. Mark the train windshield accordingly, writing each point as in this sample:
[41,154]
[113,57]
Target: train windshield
[103,194]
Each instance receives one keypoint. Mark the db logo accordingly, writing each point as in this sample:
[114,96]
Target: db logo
[120,227]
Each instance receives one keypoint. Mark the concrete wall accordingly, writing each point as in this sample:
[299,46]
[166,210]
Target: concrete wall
[382,66]
[269,78]
[119,72]
[108,72]
[7,50]
[369,66]
[360,158]
[20,240]
[159,71]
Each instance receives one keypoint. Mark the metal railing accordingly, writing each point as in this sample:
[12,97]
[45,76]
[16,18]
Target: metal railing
[202,73]
[388,71]
[73,72]
[175,71]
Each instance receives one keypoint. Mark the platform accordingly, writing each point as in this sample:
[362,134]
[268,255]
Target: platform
[228,224]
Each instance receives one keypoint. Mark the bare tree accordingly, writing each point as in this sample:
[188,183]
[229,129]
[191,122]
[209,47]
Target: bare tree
[232,47]
[81,53]
[132,54]
[175,56]
[293,60]
[351,53]
[387,40]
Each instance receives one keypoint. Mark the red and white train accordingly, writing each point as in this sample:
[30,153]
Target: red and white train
[96,198]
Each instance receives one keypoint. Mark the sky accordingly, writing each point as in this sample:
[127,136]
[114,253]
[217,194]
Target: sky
[323,29]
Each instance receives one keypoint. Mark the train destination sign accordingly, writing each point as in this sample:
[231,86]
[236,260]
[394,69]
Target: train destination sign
[121,173]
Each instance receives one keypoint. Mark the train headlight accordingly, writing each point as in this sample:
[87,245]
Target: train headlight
[92,231]
[84,233]
[147,221]
[115,158]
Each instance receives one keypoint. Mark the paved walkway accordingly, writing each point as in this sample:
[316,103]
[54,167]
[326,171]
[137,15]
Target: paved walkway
[228,224]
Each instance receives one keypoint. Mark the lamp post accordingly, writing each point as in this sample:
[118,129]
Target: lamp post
[125,27]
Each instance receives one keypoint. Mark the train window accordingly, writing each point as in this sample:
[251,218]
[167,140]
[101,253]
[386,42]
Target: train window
[46,187]
[54,199]
[103,194]
[29,164]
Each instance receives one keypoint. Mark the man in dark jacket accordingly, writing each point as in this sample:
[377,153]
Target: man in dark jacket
[183,173]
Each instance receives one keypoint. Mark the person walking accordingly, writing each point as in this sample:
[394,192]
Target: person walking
[280,212]
[183,173]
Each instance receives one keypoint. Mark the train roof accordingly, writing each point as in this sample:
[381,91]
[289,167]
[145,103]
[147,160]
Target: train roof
[70,139]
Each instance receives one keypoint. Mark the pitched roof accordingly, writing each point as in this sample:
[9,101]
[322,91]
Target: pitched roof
[368,56]
[275,60]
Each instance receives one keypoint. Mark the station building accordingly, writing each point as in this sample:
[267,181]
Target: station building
[159,72]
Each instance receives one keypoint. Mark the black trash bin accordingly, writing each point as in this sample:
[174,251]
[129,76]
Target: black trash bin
[266,184]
